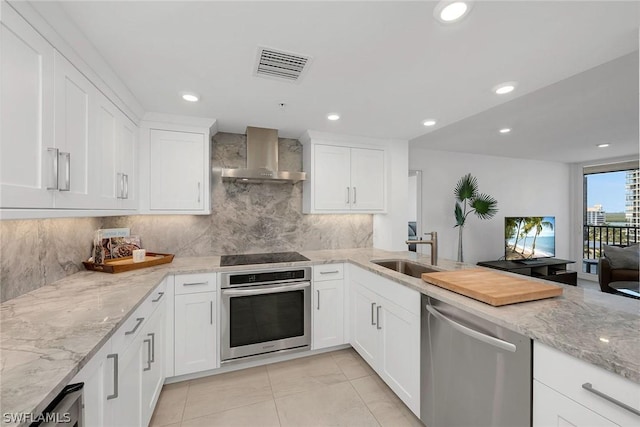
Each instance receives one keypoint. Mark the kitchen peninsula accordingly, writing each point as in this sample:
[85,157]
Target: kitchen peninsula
[49,334]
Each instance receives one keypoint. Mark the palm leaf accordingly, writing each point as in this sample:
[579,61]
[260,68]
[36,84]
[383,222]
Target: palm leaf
[485,206]
[466,188]
[459,215]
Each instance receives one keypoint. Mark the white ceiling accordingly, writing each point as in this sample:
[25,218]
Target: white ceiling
[387,66]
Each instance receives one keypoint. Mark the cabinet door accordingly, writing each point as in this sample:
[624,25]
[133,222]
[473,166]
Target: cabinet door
[367,179]
[331,178]
[364,335]
[127,155]
[75,99]
[26,114]
[399,349]
[127,406]
[328,313]
[97,376]
[552,409]
[195,332]
[153,363]
[108,187]
[176,170]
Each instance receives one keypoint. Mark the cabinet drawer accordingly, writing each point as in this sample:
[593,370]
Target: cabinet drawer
[328,272]
[193,283]
[567,375]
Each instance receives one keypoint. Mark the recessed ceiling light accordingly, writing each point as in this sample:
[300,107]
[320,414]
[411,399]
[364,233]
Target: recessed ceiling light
[505,130]
[191,97]
[605,145]
[448,11]
[504,88]
[333,116]
[429,122]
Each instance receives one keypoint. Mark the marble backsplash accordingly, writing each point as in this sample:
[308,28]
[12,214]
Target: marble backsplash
[245,218]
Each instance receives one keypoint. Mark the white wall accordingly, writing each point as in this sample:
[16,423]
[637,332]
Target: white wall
[522,187]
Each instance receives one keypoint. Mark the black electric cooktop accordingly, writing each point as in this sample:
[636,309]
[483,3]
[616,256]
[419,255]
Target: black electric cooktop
[269,258]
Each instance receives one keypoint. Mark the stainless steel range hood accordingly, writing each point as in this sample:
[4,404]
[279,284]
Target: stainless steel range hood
[262,160]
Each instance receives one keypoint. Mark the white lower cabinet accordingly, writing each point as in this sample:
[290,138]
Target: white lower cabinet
[571,392]
[385,331]
[195,329]
[123,379]
[328,306]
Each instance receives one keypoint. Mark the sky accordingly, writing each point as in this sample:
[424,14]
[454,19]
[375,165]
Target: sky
[606,189]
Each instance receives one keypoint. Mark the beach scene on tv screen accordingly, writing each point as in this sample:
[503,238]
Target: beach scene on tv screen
[529,237]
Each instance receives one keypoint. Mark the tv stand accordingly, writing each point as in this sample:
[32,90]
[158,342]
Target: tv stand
[553,269]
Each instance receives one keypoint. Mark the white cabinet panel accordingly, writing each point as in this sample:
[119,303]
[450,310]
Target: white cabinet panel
[387,335]
[331,177]
[97,376]
[328,313]
[552,409]
[153,363]
[74,111]
[367,179]
[26,114]
[195,332]
[126,160]
[106,137]
[343,178]
[177,178]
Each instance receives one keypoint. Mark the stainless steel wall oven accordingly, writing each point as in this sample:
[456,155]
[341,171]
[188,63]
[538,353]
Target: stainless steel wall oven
[265,311]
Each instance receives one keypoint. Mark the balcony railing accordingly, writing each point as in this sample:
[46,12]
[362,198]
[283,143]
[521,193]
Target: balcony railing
[594,236]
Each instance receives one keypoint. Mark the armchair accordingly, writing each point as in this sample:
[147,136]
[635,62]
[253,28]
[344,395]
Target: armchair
[618,265]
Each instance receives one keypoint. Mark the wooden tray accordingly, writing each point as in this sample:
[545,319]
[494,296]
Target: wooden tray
[492,287]
[118,265]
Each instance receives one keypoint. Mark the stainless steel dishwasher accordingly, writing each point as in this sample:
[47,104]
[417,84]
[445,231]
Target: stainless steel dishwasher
[473,373]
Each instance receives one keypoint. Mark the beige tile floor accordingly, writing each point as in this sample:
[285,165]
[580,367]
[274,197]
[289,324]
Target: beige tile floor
[330,389]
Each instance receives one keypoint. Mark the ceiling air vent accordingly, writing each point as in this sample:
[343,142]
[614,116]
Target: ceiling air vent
[280,65]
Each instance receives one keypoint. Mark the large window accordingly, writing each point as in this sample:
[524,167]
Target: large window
[611,210]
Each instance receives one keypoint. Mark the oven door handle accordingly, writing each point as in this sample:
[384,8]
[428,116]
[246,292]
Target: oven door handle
[264,290]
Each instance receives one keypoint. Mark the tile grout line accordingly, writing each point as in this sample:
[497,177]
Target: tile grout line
[365,404]
[273,396]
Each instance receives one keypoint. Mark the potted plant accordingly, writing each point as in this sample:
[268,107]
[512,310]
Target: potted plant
[469,200]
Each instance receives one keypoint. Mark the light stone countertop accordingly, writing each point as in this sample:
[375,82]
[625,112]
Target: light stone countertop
[48,334]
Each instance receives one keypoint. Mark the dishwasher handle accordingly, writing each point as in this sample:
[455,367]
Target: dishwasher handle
[504,345]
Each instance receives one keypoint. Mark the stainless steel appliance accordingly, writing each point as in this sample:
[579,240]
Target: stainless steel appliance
[65,410]
[473,372]
[265,311]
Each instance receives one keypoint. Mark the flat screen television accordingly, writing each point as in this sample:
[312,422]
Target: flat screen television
[529,237]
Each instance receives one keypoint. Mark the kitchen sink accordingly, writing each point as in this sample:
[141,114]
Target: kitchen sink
[403,266]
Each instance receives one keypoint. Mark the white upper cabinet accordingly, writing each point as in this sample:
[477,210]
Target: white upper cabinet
[175,169]
[26,115]
[65,148]
[74,114]
[343,177]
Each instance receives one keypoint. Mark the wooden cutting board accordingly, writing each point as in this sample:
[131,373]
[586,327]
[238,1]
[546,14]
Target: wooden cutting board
[492,287]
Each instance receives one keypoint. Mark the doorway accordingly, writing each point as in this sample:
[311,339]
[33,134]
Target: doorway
[415,209]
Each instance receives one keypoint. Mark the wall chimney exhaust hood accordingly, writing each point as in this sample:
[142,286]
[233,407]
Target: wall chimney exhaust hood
[262,160]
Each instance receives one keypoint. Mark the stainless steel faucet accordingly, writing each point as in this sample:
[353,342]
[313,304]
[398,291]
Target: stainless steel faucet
[433,243]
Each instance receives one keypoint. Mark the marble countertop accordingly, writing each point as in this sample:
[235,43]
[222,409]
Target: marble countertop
[48,334]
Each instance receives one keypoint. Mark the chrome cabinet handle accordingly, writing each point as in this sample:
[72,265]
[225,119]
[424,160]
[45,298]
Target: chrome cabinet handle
[211,312]
[488,339]
[348,195]
[115,376]
[160,294]
[135,328]
[330,272]
[378,317]
[67,172]
[373,305]
[318,300]
[153,346]
[148,368]
[195,284]
[198,192]
[54,170]
[120,179]
[126,186]
[589,388]
[354,195]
